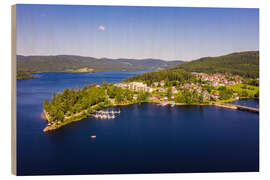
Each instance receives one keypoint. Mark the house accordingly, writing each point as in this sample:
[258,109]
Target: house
[164,102]
[215,95]
[138,86]
[162,90]
[236,96]
[205,94]
[214,83]
[150,90]
[238,81]
[185,86]
[231,83]
[155,97]
[174,90]
[135,96]
[162,83]
[121,85]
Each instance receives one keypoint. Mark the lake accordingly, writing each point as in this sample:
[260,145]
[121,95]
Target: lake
[143,138]
[247,102]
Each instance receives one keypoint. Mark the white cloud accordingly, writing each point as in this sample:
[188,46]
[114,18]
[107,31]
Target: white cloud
[101,28]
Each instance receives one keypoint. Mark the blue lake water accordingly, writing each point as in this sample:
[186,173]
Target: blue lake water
[247,102]
[144,138]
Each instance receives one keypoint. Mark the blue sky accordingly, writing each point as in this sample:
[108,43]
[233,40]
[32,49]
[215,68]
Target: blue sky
[169,33]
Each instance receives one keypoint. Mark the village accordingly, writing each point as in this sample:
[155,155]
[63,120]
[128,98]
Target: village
[159,90]
[218,79]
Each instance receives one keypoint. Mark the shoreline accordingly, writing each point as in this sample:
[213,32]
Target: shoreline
[82,115]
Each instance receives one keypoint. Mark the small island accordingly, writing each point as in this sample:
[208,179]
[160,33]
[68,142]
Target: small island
[21,75]
[167,87]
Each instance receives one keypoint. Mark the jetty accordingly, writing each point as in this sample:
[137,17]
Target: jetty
[237,107]
[246,108]
[106,114]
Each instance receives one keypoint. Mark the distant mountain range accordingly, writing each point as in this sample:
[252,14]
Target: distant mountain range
[69,63]
[241,63]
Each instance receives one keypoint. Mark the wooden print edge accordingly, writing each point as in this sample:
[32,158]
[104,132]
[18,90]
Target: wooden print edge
[13,93]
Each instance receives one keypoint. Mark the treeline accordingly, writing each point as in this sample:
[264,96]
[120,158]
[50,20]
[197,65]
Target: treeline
[69,63]
[125,96]
[24,75]
[252,82]
[169,76]
[82,102]
[73,101]
[189,97]
[245,64]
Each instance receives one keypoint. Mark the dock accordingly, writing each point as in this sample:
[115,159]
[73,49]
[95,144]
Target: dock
[106,114]
[238,107]
[245,108]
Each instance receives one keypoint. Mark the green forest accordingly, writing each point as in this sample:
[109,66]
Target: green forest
[69,63]
[79,103]
[171,77]
[21,75]
[244,64]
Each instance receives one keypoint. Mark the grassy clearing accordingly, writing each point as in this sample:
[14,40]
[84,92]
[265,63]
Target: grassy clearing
[242,88]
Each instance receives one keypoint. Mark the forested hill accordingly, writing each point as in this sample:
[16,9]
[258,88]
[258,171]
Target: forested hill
[167,75]
[242,63]
[67,63]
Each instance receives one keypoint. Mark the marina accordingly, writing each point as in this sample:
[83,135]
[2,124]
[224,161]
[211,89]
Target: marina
[109,114]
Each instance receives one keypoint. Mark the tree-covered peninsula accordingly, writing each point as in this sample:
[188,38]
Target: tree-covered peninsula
[21,75]
[169,87]
[76,104]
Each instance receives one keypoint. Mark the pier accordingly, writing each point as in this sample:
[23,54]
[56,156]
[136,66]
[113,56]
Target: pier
[239,107]
[106,114]
[245,108]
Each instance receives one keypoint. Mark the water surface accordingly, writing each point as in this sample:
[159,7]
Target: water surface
[144,138]
[247,102]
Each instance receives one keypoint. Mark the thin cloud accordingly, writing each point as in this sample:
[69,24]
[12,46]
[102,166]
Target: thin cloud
[43,14]
[101,28]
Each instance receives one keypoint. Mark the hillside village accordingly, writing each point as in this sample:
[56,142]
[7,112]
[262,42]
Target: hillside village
[208,87]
